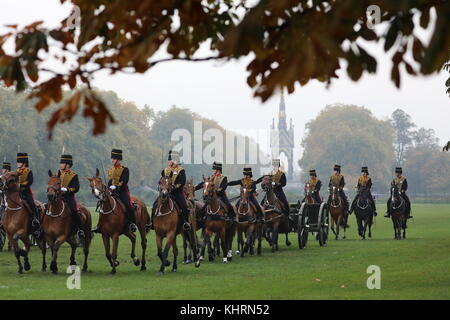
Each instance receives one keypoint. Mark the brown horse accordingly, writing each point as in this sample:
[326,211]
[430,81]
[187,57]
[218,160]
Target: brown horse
[194,207]
[112,222]
[16,219]
[337,209]
[57,225]
[398,213]
[216,222]
[309,199]
[275,220]
[167,224]
[247,224]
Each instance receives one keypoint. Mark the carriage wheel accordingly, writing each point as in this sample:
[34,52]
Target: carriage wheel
[2,239]
[323,236]
[302,238]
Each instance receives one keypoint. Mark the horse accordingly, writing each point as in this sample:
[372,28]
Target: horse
[337,208]
[247,224]
[309,199]
[275,220]
[16,219]
[194,207]
[57,225]
[364,213]
[216,222]
[398,213]
[112,222]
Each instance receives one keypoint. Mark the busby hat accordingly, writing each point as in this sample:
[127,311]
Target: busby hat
[7,165]
[398,170]
[174,156]
[217,166]
[337,167]
[116,154]
[22,157]
[312,172]
[276,162]
[365,169]
[66,158]
[248,172]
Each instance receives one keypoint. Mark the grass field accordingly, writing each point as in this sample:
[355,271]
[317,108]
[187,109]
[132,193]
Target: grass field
[414,268]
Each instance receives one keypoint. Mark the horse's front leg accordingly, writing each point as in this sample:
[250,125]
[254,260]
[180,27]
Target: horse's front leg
[43,247]
[115,246]
[132,238]
[107,246]
[16,250]
[55,248]
[185,258]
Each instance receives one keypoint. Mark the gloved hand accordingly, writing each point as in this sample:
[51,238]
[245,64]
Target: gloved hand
[64,189]
[112,187]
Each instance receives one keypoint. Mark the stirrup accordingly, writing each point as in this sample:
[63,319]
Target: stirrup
[80,234]
[133,227]
[35,222]
[186,226]
[95,230]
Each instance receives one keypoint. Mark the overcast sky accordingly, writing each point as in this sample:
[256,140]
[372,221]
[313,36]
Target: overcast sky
[219,91]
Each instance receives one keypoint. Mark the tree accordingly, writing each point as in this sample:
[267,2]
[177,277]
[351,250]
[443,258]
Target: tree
[403,134]
[353,137]
[290,42]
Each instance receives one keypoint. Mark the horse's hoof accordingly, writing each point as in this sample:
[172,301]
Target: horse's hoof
[27,266]
[85,269]
[225,260]
[197,264]
[201,258]
[20,271]
[237,252]
[113,271]
[210,258]
[137,262]
[160,273]
[167,263]
[174,270]
[73,263]
[116,262]
[44,270]
[288,243]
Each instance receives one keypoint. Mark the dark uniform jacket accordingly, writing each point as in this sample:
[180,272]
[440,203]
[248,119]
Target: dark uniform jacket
[69,180]
[220,184]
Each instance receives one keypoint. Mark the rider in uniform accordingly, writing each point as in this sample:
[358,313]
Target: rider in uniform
[337,180]
[316,184]
[220,185]
[178,177]
[249,183]
[402,186]
[6,167]
[364,181]
[279,182]
[25,182]
[118,177]
[70,185]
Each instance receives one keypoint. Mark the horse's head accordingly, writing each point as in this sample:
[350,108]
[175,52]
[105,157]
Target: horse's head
[364,194]
[165,187]
[394,191]
[308,190]
[9,181]
[54,186]
[189,189]
[245,194]
[98,189]
[208,189]
[266,183]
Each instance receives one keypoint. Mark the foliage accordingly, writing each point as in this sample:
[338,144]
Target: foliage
[290,42]
[403,134]
[353,137]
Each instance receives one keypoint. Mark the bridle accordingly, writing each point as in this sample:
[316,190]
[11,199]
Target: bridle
[208,196]
[394,198]
[359,200]
[333,198]
[164,195]
[55,198]
[103,195]
[4,186]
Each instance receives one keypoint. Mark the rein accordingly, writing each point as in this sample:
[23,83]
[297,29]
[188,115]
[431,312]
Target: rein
[50,214]
[107,212]
[158,212]
[362,208]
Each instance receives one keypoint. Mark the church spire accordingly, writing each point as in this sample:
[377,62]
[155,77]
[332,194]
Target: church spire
[282,113]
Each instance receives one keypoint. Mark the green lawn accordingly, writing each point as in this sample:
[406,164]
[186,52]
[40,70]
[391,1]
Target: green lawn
[414,268]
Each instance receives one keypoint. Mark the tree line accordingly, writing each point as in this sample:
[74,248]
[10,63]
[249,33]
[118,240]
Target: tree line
[352,136]
[143,134]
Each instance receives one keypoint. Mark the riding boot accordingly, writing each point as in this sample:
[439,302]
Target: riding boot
[78,225]
[374,208]
[131,220]
[185,217]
